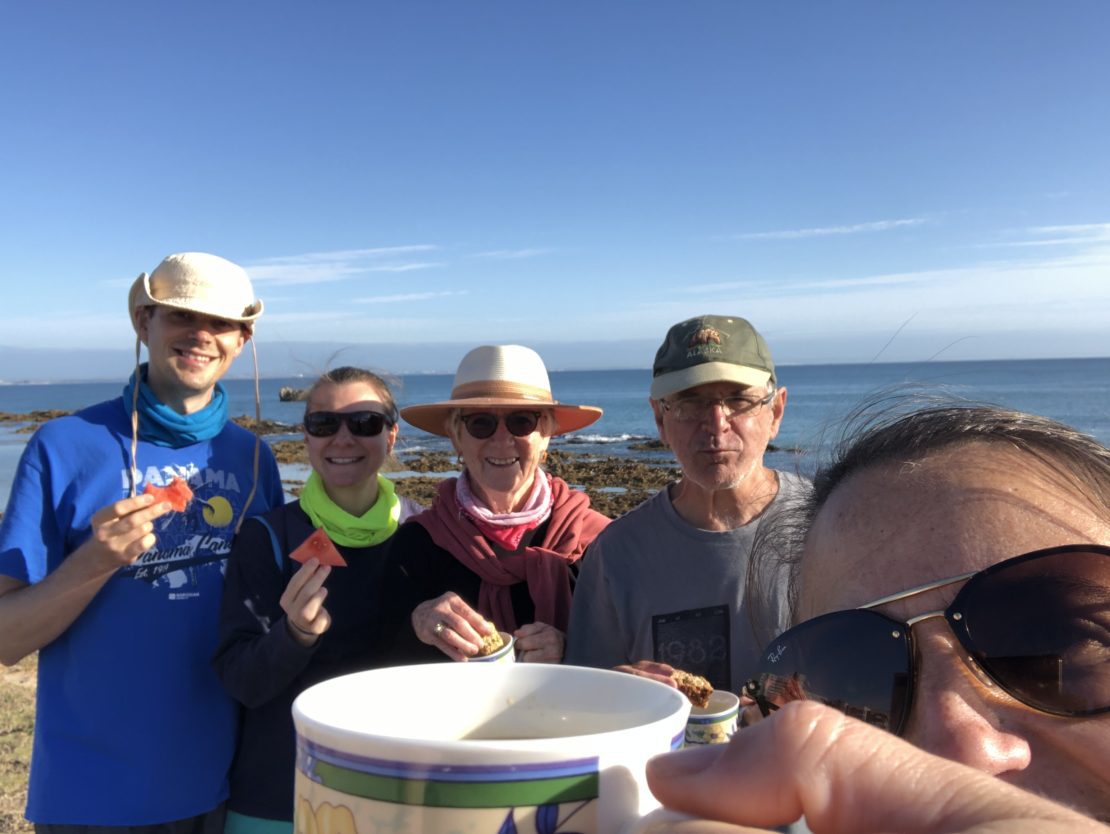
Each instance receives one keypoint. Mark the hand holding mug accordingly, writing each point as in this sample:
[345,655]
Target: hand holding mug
[451,625]
[539,643]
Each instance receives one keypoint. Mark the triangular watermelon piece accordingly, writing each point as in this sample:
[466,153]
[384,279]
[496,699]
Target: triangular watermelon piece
[177,492]
[320,546]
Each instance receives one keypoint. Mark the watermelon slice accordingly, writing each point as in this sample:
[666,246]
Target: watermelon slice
[177,492]
[320,546]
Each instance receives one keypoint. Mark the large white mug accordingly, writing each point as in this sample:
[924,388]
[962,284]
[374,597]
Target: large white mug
[446,747]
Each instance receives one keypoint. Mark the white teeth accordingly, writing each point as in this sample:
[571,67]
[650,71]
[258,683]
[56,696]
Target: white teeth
[502,461]
[343,460]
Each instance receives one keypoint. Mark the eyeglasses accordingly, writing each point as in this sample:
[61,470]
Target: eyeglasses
[696,409]
[483,425]
[1037,626]
[359,423]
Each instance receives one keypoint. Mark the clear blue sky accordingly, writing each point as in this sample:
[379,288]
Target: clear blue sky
[859,179]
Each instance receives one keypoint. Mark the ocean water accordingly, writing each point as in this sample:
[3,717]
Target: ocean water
[1074,391]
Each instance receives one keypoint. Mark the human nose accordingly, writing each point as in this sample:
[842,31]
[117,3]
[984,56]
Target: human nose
[956,714]
[344,432]
[501,432]
[715,414]
[203,329]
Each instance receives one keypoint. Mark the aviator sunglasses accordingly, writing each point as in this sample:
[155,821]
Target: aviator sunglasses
[483,425]
[1037,626]
[359,423]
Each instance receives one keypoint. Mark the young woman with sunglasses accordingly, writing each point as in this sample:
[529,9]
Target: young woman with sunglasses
[284,625]
[501,541]
[950,581]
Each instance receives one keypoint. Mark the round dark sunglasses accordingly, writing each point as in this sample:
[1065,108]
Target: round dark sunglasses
[483,425]
[1037,625]
[359,423]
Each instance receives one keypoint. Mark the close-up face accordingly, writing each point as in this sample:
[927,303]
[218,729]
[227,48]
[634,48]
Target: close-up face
[891,528]
[344,458]
[189,352]
[717,451]
[501,466]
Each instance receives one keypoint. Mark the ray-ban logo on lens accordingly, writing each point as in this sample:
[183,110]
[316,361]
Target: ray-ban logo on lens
[776,655]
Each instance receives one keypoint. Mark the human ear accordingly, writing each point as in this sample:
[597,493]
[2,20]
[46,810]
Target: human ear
[657,412]
[142,323]
[778,409]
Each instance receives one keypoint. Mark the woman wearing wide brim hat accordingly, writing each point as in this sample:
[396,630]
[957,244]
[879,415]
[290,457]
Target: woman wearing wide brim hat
[501,541]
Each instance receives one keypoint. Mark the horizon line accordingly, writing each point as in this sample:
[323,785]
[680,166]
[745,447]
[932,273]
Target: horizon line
[249,377]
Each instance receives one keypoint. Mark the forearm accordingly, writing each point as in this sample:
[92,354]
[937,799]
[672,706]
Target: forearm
[33,616]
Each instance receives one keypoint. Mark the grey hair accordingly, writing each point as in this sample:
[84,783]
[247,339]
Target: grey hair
[896,428]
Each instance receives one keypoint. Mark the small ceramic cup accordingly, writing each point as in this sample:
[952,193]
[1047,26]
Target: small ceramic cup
[448,747]
[506,654]
[714,723]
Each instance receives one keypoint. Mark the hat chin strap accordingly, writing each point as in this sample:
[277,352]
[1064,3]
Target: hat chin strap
[257,439]
[135,415]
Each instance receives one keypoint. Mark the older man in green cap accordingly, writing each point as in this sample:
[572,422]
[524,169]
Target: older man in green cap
[119,591]
[663,586]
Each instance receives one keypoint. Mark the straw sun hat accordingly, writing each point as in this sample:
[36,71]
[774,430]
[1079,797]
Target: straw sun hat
[199,282]
[501,376]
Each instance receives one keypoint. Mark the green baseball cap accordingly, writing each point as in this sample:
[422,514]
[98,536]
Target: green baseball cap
[711,349]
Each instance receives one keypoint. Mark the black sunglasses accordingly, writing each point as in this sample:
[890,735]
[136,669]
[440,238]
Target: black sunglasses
[483,425]
[1037,625]
[359,423]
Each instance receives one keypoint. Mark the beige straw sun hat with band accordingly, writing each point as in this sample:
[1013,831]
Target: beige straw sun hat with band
[501,376]
[200,283]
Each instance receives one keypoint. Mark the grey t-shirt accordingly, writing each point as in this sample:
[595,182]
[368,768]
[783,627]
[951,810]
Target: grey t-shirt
[654,587]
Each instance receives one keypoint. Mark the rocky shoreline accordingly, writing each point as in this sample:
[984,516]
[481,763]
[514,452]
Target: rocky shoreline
[615,484]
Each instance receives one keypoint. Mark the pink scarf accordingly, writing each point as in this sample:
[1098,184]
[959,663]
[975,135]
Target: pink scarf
[506,529]
[543,565]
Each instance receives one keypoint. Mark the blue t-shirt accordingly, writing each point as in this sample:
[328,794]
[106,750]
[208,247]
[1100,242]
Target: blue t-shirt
[132,725]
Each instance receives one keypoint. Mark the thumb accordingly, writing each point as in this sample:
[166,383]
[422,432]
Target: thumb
[844,776]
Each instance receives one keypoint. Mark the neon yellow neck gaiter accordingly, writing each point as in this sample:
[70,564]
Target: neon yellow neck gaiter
[373,527]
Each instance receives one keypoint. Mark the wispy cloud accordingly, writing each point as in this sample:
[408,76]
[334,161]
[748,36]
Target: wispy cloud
[779,287]
[825,231]
[1081,234]
[511,254]
[339,265]
[349,254]
[977,298]
[411,296]
[272,319]
[410,267]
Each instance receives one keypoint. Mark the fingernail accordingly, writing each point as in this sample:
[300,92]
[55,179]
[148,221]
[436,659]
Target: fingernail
[689,761]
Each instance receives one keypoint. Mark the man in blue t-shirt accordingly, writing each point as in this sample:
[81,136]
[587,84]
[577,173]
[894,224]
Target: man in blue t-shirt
[118,592]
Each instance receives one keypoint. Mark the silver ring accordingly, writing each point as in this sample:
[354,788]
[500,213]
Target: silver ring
[439,628]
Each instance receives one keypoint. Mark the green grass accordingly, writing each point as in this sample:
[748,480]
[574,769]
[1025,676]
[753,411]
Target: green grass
[17,724]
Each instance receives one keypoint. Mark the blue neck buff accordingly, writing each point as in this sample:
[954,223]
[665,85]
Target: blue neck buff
[161,425]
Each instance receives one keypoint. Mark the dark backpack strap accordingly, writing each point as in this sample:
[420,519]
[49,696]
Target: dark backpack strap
[279,556]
